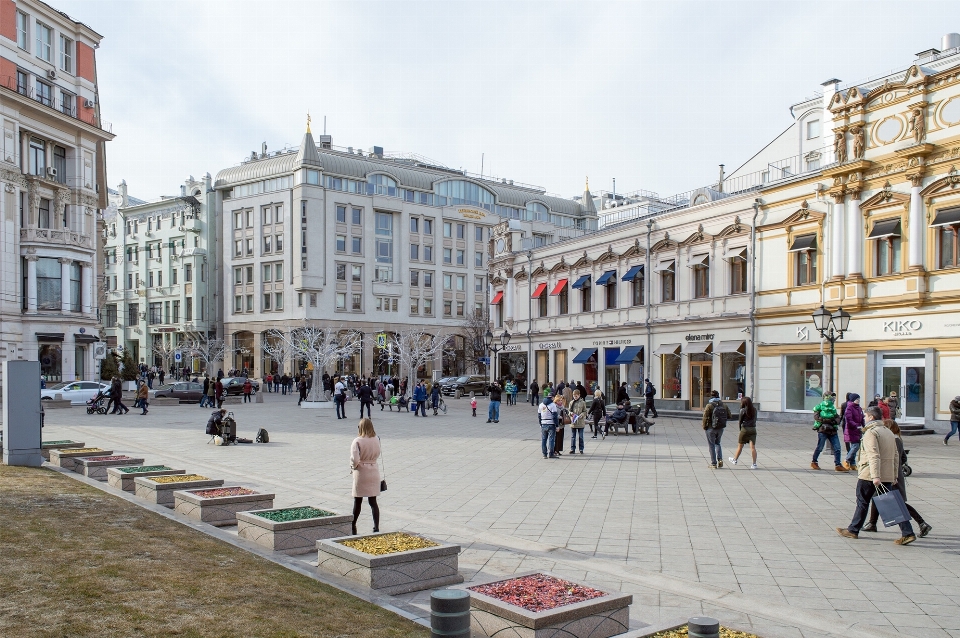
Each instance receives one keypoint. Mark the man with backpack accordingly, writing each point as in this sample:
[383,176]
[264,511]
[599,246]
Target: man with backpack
[826,421]
[649,392]
[715,417]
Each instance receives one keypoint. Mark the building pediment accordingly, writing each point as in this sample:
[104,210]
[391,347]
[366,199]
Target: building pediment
[736,228]
[696,237]
[948,185]
[664,244]
[608,255]
[633,251]
[560,265]
[539,270]
[583,261]
[885,198]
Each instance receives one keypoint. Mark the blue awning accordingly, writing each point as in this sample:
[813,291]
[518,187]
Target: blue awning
[579,283]
[633,273]
[606,277]
[629,354]
[585,355]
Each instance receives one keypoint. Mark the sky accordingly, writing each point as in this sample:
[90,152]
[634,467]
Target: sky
[653,94]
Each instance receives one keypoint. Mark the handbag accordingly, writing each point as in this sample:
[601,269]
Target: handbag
[891,506]
[383,472]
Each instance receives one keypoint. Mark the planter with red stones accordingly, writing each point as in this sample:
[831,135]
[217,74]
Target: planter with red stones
[66,457]
[160,489]
[46,446]
[219,506]
[95,467]
[541,605]
[294,530]
[122,477]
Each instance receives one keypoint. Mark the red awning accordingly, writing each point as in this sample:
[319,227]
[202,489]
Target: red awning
[539,291]
[559,287]
[496,298]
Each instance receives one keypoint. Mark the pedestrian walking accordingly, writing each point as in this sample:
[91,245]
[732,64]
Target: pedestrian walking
[871,526]
[578,418]
[534,393]
[509,389]
[218,392]
[435,398]
[206,391]
[547,413]
[420,400]
[598,411]
[715,416]
[268,382]
[648,393]
[247,390]
[878,464]
[826,420]
[160,374]
[365,394]
[364,452]
[563,419]
[116,390]
[302,392]
[143,392]
[954,419]
[852,424]
[496,394]
[748,431]
[473,404]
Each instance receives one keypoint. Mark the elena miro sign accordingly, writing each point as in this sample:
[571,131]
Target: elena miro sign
[703,337]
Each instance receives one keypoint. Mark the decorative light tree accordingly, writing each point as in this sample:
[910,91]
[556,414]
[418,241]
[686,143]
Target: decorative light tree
[165,350]
[277,346]
[414,347]
[322,347]
[209,351]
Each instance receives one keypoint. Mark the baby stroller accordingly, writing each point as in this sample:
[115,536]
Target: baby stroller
[907,470]
[95,405]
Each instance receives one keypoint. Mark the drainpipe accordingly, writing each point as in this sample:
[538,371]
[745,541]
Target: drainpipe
[646,285]
[531,364]
[753,299]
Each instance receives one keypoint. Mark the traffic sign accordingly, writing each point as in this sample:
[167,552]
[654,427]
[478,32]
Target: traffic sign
[177,356]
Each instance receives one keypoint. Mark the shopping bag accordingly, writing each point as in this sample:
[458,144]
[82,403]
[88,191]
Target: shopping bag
[891,507]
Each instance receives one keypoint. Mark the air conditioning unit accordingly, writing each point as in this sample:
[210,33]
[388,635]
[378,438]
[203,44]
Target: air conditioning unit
[52,75]
[51,171]
[88,104]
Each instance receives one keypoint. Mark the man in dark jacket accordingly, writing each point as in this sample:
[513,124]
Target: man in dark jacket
[365,394]
[715,416]
[622,394]
[954,418]
[206,391]
[493,412]
[534,393]
[434,398]
[617,418]
[648,393]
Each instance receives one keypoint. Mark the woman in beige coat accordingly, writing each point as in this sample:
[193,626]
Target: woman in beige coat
[364,452]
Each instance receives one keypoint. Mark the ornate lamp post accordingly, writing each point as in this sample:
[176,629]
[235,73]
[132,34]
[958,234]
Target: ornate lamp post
[492,348]
[831,327]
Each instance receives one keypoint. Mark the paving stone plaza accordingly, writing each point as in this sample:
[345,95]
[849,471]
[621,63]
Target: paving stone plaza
[644,515]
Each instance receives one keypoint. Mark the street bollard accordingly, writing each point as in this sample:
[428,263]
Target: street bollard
[450,614]
[703,627]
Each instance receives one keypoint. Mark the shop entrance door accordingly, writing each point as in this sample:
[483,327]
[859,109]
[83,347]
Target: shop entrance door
[904,376]
[701,383]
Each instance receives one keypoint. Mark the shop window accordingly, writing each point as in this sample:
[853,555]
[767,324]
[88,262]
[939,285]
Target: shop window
[734,368]
[803,381]
[947,246]
[671,375]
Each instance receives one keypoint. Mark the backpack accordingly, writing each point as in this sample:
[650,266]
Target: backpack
[262,436]
[720,416]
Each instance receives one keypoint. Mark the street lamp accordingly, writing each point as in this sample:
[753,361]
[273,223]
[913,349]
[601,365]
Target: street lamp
[831,327]
[491,347]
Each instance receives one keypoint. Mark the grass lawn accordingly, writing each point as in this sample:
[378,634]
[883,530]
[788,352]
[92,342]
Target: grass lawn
[75,561]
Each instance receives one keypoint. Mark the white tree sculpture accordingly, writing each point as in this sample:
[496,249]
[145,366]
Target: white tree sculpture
[322,347]
[413,348]
[209,351]
[277,346]
[165,350]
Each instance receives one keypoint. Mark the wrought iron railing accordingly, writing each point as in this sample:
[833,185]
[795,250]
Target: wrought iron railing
[67,107]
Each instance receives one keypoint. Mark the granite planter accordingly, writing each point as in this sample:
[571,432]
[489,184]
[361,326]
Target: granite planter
[219,506]
[46,446]
[298,536]
[95,467]
[393,573]
[600,615]
[122,477]
[161,492]
[66,457]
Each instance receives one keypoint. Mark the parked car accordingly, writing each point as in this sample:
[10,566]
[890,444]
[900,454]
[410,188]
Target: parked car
[234,385]
[183,390]
[465,385]
[78,392]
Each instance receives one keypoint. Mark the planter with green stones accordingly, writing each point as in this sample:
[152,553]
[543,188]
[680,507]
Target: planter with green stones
[294,530]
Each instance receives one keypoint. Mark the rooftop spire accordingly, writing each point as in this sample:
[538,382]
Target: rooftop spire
[308,149]
[587,201]
[308,121]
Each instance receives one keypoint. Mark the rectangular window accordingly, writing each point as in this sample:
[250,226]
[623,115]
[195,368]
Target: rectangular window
[278,243]
[173,276]
[44,93]
[415,252]
[341,243]
[447,255]
[44,216]
[238,303]
[188,272]
[414,306]
[76,275]
[478,284]
[23,31]
[447,229]
[278,301]
[803,376]
[267,244]
[384,247]
[37,157]
[249,270]
[66,104]
[478,233]
[238,248]
[60,164]
[542,305]
[610,293]
[300,300]
[356,273]
[357,216]
[947,246]
[267,273]
[461,231]
[248,214]
[447,308]
[701,279]
[461,283]
[637,295]
[341,272]
[250,246]
[66,54]
[738,275]
[150,279]
[888,255]
[355,304]
[478,259]
[428,254]
[813,129]
[415,278]
[447,282]
[249,303]
[460,308]
[176,310]
[313,300]
[341,301]
[668,279]
[563,301]
[806,267]
[238,219]
[278,215]
[427,226]
[156,311]
[342,214]
[129,281]
[266,215]
[585,298]
[111,316]
[414,224]
[428,307]
[461,257]
[22,83]
[266,301]
[44,42]
[278,272]
[133,314]
[428,279]
[356,245]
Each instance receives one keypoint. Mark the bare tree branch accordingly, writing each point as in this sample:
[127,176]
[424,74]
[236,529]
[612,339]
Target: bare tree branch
[414,347]
[322,347]
[278,347]
[165,350]
[209,351]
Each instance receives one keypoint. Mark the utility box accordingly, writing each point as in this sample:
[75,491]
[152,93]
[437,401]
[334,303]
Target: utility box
[21,413]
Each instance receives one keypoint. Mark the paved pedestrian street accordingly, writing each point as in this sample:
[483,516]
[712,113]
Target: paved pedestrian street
[641,514]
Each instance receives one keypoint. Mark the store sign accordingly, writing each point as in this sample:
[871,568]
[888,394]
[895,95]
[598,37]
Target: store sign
[803,333]
[470,213]
[901,327]
[513,348]
[613,342]
[553,345]
[706,337]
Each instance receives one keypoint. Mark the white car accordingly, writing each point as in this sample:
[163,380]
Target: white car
[78,392]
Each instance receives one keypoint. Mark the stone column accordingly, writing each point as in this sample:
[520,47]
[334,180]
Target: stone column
[917,224]
[836,241]
[32,283]
[854,237]
[508,298]
[65,283]
[86,288]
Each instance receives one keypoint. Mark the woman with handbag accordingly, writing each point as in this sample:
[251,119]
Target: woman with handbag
[871,525]
[598,410]
[748,431]
[563,418]
[578,416]
[364,452]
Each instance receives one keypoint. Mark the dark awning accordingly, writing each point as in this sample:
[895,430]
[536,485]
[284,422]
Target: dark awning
[884,229]
[804,242]
[633,273]
[538,290]
[629,354]
[85,338]
[559,287]
[585,355]
[947,217]
[606,277]
[49,336]
[580,283]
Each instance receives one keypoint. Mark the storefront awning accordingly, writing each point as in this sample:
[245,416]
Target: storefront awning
[698,347]
[731,346]
[607,277]
[538,290]
[633,273]
[804,242]
[49,336]
[629,354]
[664,266]
[585,355]
[85,338]
[885,229]
[667,348]
[947,217]
[496,298]
[583,281]
[736,253]
[559,287]
[699,260]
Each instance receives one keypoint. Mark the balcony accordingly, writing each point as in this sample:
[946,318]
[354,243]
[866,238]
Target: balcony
[70,109]
[58,237]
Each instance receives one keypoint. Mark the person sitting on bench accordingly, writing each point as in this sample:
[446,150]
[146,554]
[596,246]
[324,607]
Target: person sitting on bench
[618,418]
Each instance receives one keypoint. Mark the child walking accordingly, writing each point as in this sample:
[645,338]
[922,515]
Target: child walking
[473,405]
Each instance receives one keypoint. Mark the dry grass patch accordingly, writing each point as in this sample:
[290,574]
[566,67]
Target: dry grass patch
[76,561]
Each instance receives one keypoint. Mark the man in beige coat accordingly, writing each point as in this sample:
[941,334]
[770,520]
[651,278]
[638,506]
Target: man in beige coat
[877,463]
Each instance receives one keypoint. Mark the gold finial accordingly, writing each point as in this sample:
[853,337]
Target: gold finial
[308,121]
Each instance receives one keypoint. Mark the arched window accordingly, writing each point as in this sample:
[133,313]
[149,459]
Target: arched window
[378,184]
[462,192]
[537,211]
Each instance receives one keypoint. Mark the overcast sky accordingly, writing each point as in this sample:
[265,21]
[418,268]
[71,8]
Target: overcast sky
[654,94]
